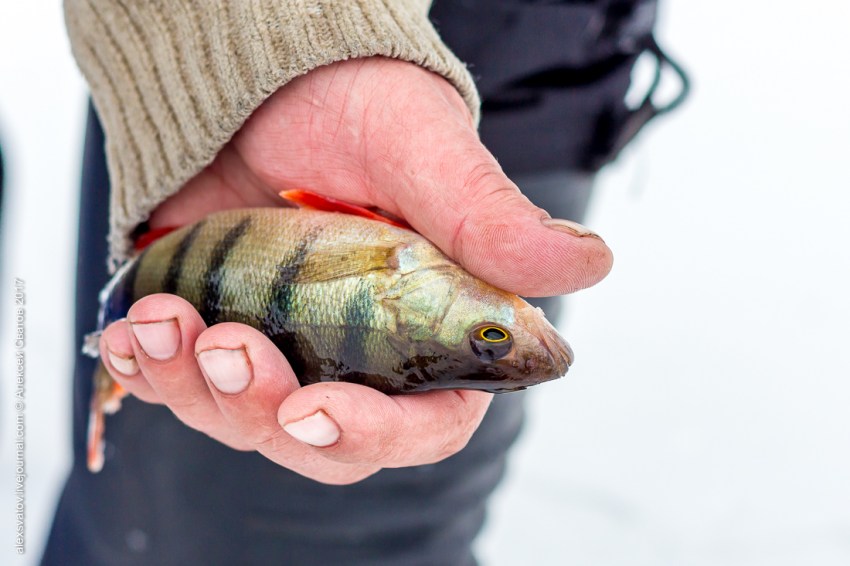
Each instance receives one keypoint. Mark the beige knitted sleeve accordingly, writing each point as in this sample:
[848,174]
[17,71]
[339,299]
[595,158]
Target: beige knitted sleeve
[173,80]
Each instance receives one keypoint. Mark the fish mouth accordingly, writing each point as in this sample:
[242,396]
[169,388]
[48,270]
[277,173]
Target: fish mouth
[560,354]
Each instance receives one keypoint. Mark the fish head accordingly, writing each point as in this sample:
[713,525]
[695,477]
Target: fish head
[480,337]
[508,344]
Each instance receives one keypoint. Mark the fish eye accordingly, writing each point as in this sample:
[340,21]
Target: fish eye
[490,342]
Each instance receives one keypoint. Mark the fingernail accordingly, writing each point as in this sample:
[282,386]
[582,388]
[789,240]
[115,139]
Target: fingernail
[124,366]
[159,340]
[570,227]
[229,370]
[316,430]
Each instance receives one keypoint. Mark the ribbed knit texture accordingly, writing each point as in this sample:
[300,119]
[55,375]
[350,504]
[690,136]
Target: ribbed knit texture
[173,80]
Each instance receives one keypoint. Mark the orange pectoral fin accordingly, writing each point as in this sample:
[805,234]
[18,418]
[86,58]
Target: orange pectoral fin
[308,199]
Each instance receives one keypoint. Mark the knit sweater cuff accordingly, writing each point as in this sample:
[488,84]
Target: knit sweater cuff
[173,81]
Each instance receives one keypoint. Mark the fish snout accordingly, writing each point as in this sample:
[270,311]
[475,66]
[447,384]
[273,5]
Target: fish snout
[558,352]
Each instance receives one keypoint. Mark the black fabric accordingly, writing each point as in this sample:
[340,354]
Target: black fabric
[555,75]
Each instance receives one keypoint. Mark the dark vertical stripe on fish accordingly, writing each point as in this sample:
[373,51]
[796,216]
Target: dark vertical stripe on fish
[175,266]
[358,314]
[279,310]
[211,296]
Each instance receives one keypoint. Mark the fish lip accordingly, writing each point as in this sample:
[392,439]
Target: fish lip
[559,351]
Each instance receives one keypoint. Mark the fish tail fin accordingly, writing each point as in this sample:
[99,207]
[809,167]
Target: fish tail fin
[106,400]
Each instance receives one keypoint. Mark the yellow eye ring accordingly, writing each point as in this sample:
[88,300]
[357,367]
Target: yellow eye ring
[493,334]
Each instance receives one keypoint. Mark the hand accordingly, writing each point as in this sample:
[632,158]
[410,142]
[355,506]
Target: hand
[373,132]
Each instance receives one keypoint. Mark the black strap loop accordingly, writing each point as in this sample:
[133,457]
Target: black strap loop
[616,129]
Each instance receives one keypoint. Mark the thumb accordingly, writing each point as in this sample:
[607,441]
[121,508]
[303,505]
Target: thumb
[467,206]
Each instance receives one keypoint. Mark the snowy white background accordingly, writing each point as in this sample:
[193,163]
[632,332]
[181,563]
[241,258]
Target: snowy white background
[707,421]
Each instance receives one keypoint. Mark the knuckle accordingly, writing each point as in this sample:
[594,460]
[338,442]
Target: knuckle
[487,192]
[158,307]
[116,333]
[453,444]
[270,441]
[462,421]
[349,477]
[486,184]
[386,449]
[232,442]
[195,415]
[147,397]
[190,406]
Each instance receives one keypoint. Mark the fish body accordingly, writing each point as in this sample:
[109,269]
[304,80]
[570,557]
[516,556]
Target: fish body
[346,298]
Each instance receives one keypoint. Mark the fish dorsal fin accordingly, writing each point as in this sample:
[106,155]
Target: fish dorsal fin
[308,199]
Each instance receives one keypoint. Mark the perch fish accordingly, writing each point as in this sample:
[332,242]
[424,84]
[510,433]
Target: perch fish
[345,298]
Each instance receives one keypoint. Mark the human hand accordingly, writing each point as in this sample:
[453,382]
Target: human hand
[373,132]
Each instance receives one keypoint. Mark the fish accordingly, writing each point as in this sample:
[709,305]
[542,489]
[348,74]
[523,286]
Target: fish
[346,296]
